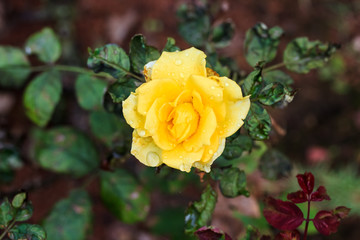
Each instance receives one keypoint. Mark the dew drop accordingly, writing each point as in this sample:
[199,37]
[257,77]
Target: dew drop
[184,167]
[178,62]
[173,74]
[186,54]
[152,159]
[207,168]
[28,50]
[131,122]
[226,84]
[211,151]
[142,133]
[212,87]
[181,157]
[182,75]
[218,94]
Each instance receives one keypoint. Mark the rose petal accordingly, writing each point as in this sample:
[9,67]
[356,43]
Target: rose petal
[180,65]
[181,159]
[149,91]
[132,117]
[146,151]
[207,160]
[209,88]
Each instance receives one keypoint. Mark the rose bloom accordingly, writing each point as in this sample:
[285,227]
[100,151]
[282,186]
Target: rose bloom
[183,113]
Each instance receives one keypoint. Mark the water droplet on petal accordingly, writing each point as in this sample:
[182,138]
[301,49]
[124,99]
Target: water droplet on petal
[211,151]
[186,54]
[182,75]
[226,84]
[181,157]
[212,87]
[184,167]
[142,133]
[152,159]
[178,62]
[207,168]
[131,122]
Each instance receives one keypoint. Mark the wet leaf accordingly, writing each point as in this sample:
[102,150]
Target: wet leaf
[274,165]
[222,34]
[282,215]
[170,45]
[211,233]
[70,218]
[119,91]
[258,122]
[13,67]
[253,83]
[41,97]
[27,231]
[25,212]
[233,182]
[45,44]
[66,150]
[124,196]
[18,200]
[108,127]
[141,53]
[199,213]
[277,76]
[261,43]
[110,59]
[272,94]
[236,145]
[89,91]
[302,55]
[7,213]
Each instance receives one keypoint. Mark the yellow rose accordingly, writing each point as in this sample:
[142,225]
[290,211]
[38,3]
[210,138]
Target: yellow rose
[183,113]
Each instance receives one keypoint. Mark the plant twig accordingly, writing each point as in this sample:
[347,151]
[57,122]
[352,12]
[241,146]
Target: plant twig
[307,220]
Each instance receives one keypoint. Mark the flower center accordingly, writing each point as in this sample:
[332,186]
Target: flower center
[183,121]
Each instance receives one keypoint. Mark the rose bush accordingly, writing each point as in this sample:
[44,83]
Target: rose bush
[183,113]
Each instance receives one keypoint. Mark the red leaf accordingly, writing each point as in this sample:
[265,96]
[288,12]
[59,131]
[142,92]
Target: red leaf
[283,215]
[288,235]
[211,233]
[306,182]
[297,197]
[326,222]
[319,195]
[341,212]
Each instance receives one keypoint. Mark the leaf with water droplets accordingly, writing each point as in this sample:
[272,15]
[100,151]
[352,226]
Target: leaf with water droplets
[170,45]
[233,182]
[27,231]
[123,196]
[258,122]
[89,91]
[119,91]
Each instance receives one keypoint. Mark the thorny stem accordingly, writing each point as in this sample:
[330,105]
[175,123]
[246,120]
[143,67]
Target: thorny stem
[307,220]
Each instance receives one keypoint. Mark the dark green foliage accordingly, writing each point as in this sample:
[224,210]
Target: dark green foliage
[65,150]
[123,196]
[119,91]
[71,218]
[45,44]
[89,91]
[258,122]
[27,231]
[13,67]
[140,53]
[41,97]
[302,55]
[170,45]
[110,59]
[194,24]
[213,62]
[232,182]
[199,213]
[170,222]
[236,145]
[222,34]
[10,160]
[261,43]
[274,165]
[253,82]
[7,213]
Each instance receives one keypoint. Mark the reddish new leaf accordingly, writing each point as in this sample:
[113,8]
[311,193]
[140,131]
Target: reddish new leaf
[297,197]
[288,235]
[283,215]
[319,195]
[326,222]
[306,182]
[211,233]
[341,212]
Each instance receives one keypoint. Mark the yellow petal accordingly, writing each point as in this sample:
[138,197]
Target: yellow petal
[179,65]
[235,114]
[146,151]
[149,91]
[208,88]
[132,117]
[206,166]
[211,149]
[148,70]
[181,159]
[232,90]
[205,130]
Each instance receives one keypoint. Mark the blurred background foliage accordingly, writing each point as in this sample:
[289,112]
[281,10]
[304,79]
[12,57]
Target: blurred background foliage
[80,125]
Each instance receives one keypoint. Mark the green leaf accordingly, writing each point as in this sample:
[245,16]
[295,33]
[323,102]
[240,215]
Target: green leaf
[213,62]
[274,165]
[253,83]
[236,145]
[222,34]
[278,76]
[45,44]
[14,67]
[7,213]
[170,223]
[302,55]
[25,212]
[276,98]
[272,93]
[199,213]
[261,43]
[251,233]
[194,25]
[70,219]
[110,59]
[233,182]
[10,160]
[119,91]
[258,122]
[27,231]
[123,196]
[141,53]
[41,97]
[89,91]
[66,150]
[18,200]
[170,45]
[108,127]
